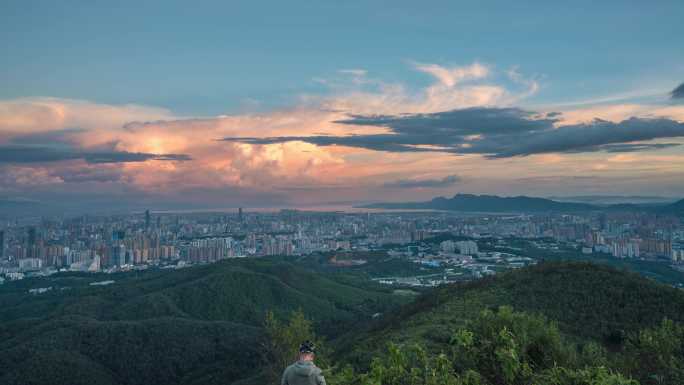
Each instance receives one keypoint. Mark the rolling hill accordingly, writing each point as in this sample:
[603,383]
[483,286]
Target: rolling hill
[588,301]
[571,322]
[204,325]
[164,327]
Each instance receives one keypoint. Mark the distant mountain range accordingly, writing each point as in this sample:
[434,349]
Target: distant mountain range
[493,203]
[614,199]
[675,208]
[10,208]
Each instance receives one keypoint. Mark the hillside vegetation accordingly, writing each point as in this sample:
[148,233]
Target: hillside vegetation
[553,323]
[583,311]
[200,325]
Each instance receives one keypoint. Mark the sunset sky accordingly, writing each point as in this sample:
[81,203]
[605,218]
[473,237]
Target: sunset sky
[299,103]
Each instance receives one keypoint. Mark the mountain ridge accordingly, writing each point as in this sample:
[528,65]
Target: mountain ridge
[518,204]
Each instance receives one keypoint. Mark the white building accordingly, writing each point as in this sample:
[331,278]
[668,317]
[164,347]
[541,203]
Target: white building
[448,246]
[467,247]
[14,276]
[626,249]
[677,255]
[29,264]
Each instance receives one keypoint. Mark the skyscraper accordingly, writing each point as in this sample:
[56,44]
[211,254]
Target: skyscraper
[118,255]
[147,219]
[2,244]
[31,236]
[240,214]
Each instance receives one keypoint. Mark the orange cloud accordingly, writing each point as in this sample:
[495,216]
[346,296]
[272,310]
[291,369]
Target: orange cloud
[221,165]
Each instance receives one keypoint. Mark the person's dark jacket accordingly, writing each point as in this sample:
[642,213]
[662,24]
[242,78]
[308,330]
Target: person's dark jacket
[302,373]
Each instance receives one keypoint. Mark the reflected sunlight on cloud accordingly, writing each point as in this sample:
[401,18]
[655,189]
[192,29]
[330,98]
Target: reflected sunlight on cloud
[201,160]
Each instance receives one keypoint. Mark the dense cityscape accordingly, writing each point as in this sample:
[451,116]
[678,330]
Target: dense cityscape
[171,240]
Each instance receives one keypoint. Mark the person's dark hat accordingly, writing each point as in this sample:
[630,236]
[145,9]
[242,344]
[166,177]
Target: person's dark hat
[307,347]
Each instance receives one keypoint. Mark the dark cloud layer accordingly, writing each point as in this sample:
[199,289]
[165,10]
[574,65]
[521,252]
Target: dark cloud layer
[598,135]
[37,154]
[447,181]
[678,93]
[495,133]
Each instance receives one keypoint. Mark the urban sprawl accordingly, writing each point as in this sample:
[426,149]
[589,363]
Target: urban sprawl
[464,245]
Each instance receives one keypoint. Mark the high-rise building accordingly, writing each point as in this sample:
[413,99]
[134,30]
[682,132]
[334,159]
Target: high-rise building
[240,214]
[119,255]
[2,244]
[624,248]
[119,235]
[31,236]
[147,219]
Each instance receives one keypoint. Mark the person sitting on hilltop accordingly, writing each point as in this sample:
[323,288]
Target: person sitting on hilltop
[304,371]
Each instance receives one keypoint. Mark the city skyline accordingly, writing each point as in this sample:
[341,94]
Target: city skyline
[317,104]
[141,241]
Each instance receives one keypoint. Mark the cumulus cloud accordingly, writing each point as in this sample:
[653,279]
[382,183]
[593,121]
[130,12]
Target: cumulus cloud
[447,181]
[27,115]
[363,132]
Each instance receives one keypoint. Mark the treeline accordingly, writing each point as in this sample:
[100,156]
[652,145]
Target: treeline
[504,347]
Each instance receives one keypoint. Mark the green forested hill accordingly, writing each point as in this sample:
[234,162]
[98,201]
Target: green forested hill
[574,315]
[204,325]
[587,301]
[164,327]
